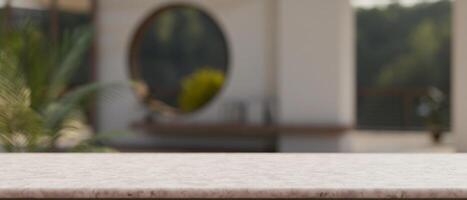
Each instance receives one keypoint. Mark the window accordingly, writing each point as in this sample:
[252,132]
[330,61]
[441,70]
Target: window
[55,19]
[403,64]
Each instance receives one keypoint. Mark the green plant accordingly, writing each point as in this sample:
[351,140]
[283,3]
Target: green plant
[431,109]
[199,88]
[37,108]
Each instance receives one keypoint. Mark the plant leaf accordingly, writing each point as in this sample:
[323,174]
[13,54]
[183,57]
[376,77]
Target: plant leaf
[57,113]
[72,58]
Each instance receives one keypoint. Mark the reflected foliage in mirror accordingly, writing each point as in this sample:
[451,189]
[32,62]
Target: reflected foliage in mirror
[179,58]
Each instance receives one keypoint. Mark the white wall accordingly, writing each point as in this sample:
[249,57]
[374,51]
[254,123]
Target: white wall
[316,73]
[298,50]
[316,70]
[246,23]
[459,75]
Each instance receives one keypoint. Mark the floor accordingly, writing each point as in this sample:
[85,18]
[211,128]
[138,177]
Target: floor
[363,141]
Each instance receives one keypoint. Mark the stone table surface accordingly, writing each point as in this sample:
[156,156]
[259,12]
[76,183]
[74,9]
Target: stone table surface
[251,176]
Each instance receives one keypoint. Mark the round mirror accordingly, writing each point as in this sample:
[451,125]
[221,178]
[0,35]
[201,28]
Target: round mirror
[179,58]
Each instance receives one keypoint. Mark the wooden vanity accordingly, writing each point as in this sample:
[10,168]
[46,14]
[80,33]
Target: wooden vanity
[233,176]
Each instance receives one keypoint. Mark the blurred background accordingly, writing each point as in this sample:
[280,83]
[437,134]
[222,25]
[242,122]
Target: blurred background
[233,76]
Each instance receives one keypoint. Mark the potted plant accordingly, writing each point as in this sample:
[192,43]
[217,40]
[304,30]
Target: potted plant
[431,108]
[38,111]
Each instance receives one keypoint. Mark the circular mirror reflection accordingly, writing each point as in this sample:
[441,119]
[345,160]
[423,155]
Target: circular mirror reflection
[179,57]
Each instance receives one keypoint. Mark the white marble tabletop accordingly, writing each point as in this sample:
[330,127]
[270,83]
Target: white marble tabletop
[233,176]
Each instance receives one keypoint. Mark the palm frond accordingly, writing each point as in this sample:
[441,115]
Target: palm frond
[57,113]
[37,63]
[31,51]
[34,76]
[13,88]
[72,50]
[20,127]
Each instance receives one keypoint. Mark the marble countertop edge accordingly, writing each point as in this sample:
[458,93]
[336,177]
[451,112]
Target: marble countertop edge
[233,176]
[212,193]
